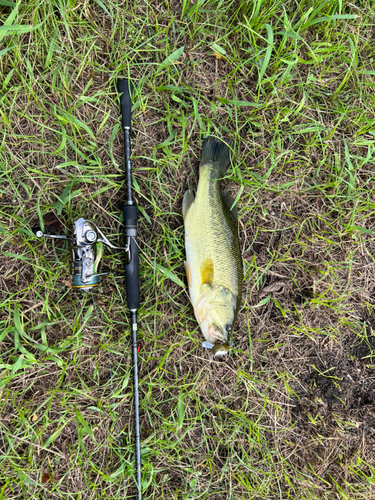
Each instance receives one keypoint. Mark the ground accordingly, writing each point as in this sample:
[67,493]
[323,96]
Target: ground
[290,413]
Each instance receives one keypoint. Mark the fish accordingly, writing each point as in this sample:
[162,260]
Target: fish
[213,263]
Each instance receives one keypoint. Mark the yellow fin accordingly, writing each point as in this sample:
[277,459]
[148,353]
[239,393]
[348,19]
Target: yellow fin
[207,271]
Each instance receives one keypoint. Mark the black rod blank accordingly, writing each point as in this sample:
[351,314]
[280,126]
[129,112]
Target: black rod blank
[137,433]
[130,214]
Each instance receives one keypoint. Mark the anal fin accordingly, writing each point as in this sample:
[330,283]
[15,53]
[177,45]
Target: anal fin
[186,202]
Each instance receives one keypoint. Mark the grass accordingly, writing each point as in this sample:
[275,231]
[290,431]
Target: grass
[290,413]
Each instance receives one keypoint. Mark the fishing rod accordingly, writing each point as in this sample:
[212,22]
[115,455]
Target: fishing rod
[86,255]
[130,214]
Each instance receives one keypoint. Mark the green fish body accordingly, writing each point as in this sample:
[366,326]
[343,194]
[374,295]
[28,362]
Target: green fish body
[213,258]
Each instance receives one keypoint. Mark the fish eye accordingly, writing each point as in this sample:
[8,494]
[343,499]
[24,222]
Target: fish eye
[228,328]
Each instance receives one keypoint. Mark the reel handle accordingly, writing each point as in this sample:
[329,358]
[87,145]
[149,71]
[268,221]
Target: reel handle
[130,214]
[39,234]
[125,87]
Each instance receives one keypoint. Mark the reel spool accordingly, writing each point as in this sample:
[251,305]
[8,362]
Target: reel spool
[85,253]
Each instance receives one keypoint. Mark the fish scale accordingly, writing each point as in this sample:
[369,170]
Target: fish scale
[213,233]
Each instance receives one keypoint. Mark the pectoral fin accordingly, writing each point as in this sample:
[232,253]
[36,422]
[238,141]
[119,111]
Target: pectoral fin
[207,272]
[188,273]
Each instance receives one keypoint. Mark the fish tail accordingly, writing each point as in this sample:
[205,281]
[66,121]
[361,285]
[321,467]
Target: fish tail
[216,153]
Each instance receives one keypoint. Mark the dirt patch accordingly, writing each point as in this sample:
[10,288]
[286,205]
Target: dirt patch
[334,411]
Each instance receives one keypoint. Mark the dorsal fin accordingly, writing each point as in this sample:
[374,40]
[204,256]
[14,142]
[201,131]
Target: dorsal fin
[228,200]
[207,271]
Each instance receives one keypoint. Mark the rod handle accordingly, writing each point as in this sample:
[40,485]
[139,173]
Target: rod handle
[130,214]
[125,88]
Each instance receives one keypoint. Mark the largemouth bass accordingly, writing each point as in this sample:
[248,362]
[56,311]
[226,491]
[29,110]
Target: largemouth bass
[213,258]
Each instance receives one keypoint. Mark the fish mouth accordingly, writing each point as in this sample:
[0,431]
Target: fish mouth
[220,335]
[215,337]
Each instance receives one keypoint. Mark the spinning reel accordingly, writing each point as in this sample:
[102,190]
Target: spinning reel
[86,254]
